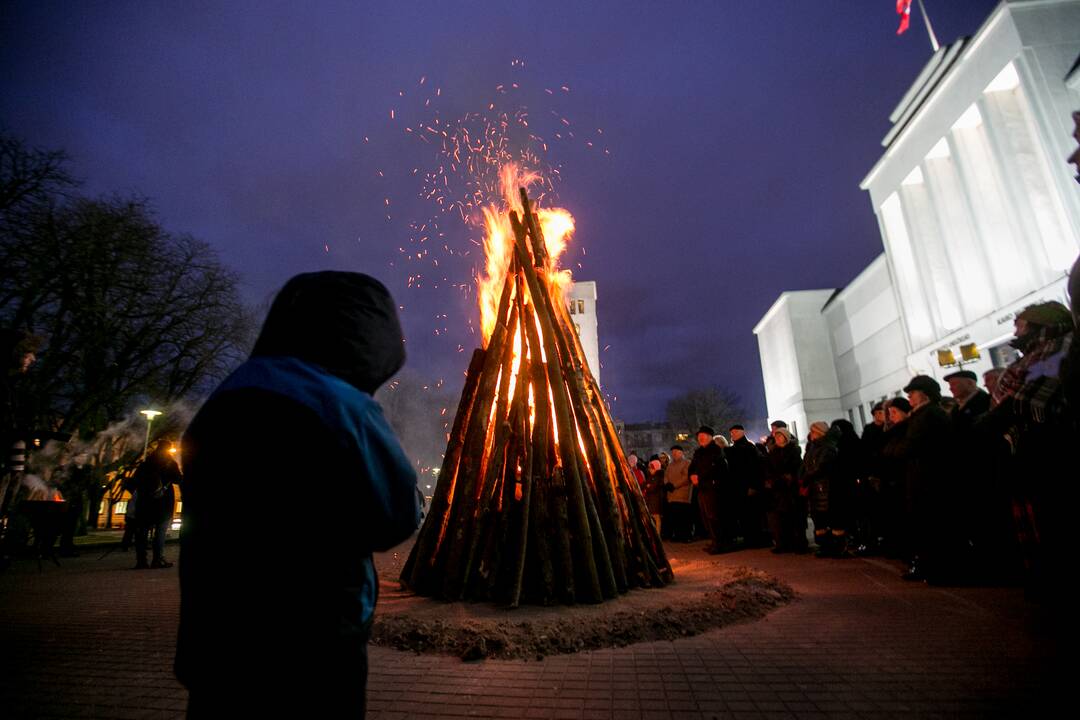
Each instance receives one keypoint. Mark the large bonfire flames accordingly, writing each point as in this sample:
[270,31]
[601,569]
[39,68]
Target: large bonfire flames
[535,501]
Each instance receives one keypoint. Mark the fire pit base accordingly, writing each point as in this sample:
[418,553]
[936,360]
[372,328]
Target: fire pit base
[705,596]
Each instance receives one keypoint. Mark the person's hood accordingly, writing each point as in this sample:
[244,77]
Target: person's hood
[343,322]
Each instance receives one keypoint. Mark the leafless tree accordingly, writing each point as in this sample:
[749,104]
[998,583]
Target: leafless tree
[713,406]
[126,312]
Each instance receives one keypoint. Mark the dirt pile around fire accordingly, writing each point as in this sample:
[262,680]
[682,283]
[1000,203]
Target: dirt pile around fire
[707,594]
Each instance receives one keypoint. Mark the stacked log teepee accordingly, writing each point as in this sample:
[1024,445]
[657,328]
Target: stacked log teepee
[535,501]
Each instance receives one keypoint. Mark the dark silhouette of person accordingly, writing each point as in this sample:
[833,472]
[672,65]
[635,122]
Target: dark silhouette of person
[153,481]
[293,437]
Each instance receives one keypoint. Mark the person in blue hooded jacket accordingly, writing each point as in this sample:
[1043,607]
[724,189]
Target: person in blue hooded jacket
[292,448]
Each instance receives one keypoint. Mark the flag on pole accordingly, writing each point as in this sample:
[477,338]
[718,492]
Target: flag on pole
[903,9]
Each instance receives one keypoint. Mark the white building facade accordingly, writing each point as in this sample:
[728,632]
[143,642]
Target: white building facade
[581,301]
[979,217]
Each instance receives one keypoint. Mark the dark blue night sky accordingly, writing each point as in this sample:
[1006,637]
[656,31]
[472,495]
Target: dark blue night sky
[738,133]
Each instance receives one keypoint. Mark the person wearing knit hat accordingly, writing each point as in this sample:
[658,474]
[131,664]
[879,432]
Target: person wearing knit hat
[897,410]
[818,471]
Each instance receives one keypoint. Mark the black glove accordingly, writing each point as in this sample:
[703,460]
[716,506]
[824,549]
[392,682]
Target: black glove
[669,487]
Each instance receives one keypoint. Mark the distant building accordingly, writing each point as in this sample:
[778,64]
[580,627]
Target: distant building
[648,439]
[979,217]
[581,301]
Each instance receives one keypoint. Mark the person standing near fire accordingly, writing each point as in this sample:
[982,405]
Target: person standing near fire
[284,633]
[677,485]
[708,472]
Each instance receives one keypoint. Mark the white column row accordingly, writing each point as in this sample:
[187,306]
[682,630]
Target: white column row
[979,222]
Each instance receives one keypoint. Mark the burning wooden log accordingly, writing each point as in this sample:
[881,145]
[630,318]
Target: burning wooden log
[535,501]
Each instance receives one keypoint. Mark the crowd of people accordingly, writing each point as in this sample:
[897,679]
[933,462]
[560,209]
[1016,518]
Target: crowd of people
[973,486]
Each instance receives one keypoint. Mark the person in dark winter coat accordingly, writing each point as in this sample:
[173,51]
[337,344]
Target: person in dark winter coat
[868,498]
[971,402]
[747,471]
[932,503]
[843,493]
[786,509]
[654,489]
[153,481]
[892,470]
[1031,407]
[708,474]
[285,633]
[819,469]
[980,457]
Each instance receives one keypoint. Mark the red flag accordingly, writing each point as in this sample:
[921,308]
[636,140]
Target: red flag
[903,9]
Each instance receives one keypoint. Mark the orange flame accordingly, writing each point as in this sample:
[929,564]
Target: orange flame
[556,224]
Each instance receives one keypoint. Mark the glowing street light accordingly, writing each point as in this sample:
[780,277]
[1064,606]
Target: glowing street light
[150,415]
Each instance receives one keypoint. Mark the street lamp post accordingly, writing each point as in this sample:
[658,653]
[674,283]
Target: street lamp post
[150,415]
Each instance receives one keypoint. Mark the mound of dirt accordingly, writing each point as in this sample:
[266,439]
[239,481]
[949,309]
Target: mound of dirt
[706,594]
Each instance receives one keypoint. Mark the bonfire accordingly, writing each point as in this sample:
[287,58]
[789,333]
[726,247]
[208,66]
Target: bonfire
[535,500]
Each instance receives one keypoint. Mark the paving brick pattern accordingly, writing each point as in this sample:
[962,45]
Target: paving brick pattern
[94,639]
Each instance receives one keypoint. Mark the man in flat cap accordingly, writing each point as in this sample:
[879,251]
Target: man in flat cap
[709,475]
[927,453]
[971,401]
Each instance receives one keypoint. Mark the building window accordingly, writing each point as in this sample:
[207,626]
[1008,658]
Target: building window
[573,307]
[120,508]
[580,307]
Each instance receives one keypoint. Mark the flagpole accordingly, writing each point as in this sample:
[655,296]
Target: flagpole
[929,28]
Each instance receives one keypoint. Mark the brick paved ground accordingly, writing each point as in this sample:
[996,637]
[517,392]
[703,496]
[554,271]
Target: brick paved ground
[94,639]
